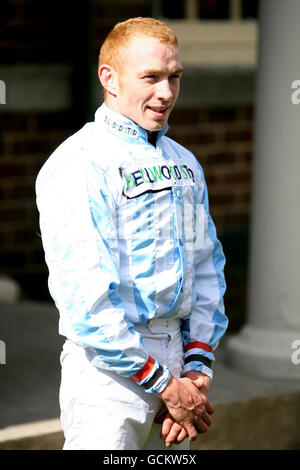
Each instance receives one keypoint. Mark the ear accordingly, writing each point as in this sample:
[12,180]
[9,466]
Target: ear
[108,78]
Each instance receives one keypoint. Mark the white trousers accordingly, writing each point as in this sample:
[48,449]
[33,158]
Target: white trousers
[103,411]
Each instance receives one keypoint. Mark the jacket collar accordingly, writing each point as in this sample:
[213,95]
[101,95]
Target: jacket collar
[122,126]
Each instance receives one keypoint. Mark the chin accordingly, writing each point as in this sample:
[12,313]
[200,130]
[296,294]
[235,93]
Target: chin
[158,126]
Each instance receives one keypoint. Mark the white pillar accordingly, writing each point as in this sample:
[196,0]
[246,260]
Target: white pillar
[266,344]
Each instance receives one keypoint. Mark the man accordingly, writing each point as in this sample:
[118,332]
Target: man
[135,267]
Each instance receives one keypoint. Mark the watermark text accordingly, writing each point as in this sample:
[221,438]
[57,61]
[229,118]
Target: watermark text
[2,92]
[154,222]
[295,356]
[295,97]
[2,352]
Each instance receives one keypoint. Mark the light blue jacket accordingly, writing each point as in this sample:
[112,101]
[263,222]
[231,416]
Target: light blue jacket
[128,237]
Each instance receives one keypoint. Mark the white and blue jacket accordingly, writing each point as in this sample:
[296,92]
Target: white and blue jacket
[128,237]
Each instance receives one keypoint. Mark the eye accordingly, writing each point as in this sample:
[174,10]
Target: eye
[175,76]
[150,77]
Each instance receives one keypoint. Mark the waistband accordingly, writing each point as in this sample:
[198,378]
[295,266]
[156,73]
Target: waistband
[159,325]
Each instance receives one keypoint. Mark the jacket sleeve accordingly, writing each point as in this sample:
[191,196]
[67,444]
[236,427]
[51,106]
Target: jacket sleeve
[207,322]
[81,250]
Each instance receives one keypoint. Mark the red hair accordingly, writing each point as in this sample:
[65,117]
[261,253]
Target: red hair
[122,33]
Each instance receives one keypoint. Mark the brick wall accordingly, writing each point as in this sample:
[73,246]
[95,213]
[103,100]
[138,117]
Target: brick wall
[31,32]
[222,139]
[26,141]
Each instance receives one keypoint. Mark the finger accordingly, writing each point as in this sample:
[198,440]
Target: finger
[198,383]
[173,434]
[181,436]
[201,426]
[166,427]
[191,431]
[209,407]
[207,419]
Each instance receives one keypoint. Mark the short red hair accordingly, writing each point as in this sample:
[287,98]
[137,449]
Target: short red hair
[122,33]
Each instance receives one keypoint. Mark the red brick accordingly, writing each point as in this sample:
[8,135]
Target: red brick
[31,146]
[245,114]
[245,197]
[23,192]
[238,176]
[236,220]
[9,170]
[181,116]
[221,157]
[211,179]
[12,259]
[222,115]
[248,156]
[238,136]
[221,199]
[12,214]
[55,121]
[13,122]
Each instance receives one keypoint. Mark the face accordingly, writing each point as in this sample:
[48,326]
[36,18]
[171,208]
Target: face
[148,82]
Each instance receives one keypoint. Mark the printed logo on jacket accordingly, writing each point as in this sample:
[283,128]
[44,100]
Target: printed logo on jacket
[119,128]
[154,176]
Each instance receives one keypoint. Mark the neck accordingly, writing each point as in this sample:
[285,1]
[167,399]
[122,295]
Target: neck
[110,103]
[152,136]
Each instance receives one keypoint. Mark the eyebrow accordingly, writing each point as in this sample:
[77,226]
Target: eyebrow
[158,72]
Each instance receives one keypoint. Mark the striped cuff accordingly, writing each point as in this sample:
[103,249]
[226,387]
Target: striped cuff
[199,357]
[153,377]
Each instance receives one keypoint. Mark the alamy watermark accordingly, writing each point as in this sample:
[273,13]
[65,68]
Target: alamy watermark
[2,92]
[2,352]
[295,356]
[188,225]
[295,97]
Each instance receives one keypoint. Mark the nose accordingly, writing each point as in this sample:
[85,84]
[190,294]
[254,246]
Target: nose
[164,91]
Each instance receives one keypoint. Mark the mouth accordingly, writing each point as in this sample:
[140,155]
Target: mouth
[159,111]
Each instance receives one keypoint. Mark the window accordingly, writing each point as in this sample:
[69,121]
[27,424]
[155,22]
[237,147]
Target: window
[206,9]
[213,10]
[213,33]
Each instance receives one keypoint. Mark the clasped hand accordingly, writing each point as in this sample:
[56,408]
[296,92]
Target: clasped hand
[188,409]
